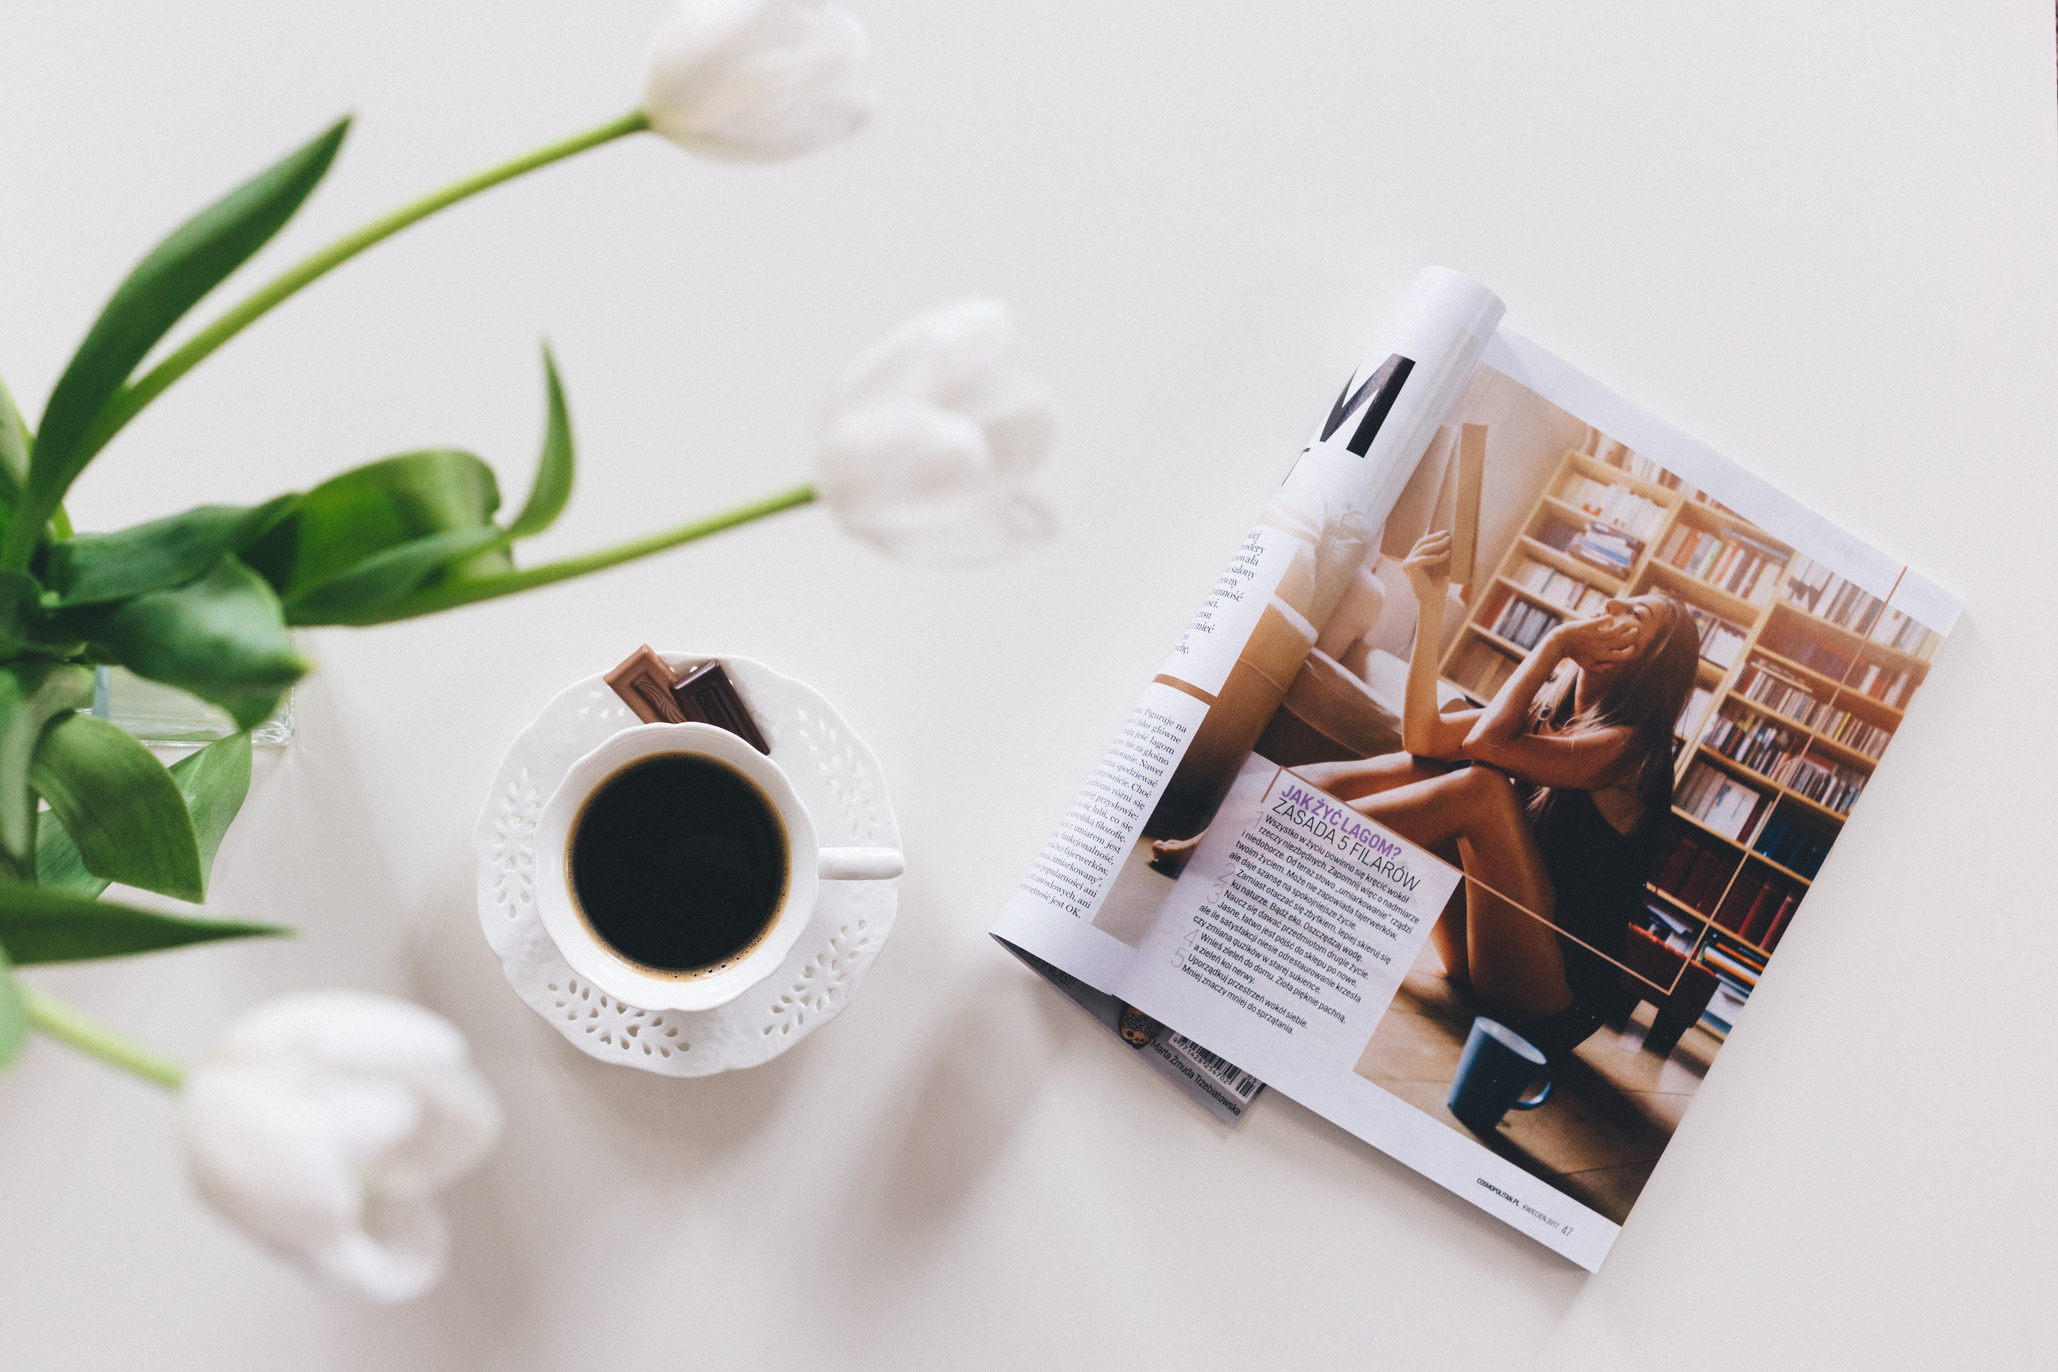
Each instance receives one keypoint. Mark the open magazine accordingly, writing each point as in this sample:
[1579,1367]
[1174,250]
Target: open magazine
[1472,803]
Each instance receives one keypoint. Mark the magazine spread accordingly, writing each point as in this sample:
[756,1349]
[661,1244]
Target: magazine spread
[1474,799]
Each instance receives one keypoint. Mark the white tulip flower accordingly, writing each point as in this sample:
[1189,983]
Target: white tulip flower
[325,1122]
[929,443]
[757,80]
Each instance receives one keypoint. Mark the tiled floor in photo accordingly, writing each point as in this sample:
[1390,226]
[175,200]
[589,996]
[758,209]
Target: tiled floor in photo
[1611,1111]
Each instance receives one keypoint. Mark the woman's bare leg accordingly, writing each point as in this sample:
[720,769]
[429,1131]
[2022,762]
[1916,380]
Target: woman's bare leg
[1448,933]
[1510,958]
[1350,781]
[1369,776]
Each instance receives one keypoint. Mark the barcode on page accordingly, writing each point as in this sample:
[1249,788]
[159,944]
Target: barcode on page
[1221,1068]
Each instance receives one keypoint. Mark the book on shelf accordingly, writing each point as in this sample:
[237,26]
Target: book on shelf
[1721,640]
[1560,588]
[1719,958]
[1753,740]
[1777,929]
[1889,685]
[1524,624]
[1833,785]
[1696,710]
[1736,902]
[1764,908]
[1729,561]
[1615,505]
[1755,904]
[1789,698]
[1676,862]
[1719,801]
[1779,692]
[1713,880]
[1726,1004]
[1237,928]
[1705,879]
[1805,652]
[1669,928]
[1792,844]
[1752,960]
[1841,726]
[1482,669]
[1597,545]
[1822,593]
[1901,633]
[1826,595]
[1644,469]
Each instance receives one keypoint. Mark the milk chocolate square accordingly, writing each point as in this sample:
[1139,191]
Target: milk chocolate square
[644,682]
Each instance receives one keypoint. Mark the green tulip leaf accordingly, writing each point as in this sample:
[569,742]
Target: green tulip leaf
[370,510]
[120,806]
[494,562]
[15,444]
[21,615]
[94,569]
[553,485]
[38,925]
[32,694]
[60,866]
[222,638]
[163,287]
[385,577]
[14,1015]
[213,782]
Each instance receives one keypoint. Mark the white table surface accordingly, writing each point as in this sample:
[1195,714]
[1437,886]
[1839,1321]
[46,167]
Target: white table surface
[1821,237]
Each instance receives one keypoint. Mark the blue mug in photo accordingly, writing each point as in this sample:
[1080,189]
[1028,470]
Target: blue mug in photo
[1498,1066]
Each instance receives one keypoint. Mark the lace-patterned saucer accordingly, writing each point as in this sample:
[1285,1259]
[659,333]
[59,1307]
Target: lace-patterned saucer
[837,779]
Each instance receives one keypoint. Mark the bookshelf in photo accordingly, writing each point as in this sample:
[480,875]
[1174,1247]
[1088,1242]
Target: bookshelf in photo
[1802,681]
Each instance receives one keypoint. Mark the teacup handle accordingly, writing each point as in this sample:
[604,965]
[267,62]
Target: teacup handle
[859,864]
[1541,1097]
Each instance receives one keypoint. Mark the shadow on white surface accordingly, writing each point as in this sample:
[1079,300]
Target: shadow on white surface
[988,1056]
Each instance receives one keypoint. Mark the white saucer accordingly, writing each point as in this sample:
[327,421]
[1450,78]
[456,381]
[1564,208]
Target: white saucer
[839,782]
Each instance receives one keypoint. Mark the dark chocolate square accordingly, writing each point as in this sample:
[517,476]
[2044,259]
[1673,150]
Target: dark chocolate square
[706,696]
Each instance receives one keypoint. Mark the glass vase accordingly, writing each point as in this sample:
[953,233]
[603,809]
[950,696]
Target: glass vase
[163,714]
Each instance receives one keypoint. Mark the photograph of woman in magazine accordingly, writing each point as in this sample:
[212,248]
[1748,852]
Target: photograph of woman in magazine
[1552,799]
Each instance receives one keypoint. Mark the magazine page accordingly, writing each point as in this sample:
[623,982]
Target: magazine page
[1301,573]
[1505,942]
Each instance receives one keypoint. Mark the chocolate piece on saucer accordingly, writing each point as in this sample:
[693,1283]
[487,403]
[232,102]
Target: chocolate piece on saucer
[644,682]
[705,696]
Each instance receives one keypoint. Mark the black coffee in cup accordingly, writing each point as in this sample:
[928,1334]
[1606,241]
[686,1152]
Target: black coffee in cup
[679,863]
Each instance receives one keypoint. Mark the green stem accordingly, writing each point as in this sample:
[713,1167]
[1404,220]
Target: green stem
[450,595]
[88,1035]
[135,396]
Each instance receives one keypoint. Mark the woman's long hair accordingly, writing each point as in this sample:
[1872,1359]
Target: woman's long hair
[1646,699]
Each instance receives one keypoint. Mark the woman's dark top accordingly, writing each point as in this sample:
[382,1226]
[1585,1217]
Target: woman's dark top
[1597,877]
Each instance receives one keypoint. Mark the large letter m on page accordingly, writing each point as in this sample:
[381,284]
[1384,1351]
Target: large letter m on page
[1382,388]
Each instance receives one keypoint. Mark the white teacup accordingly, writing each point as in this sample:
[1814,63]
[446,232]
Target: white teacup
[809,864]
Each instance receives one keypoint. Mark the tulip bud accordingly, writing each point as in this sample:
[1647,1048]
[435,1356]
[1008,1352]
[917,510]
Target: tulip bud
[757,80]
[929,443]
[325,1122]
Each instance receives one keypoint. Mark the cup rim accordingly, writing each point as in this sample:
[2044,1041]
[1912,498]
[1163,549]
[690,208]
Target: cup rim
[593,960]
[1510,1040]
